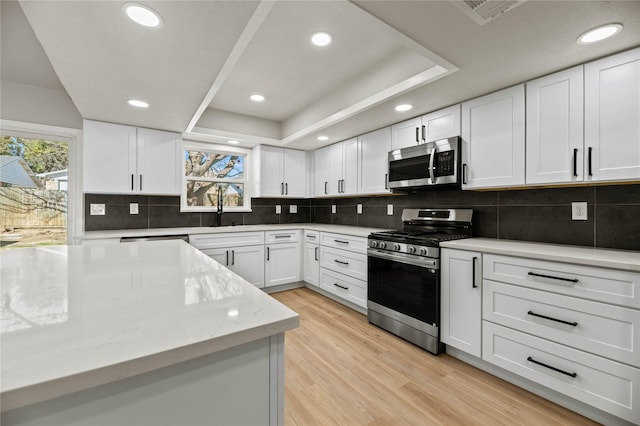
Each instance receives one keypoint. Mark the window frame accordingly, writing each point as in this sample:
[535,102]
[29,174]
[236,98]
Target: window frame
[188,145]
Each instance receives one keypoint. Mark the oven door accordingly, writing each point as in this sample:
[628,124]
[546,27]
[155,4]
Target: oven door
[412,290]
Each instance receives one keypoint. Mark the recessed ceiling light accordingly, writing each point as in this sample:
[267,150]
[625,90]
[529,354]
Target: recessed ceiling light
[138,103]
[142,15]
[599,33]
[257,98]
[403,107]
[323,138]
[321,39]
[232,142]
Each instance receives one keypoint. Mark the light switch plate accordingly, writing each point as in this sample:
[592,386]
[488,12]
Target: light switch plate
[293,208]
[359,208]
[333,209]
[278,209]
[579,210]
[97,210]
[389,209]
[133,208]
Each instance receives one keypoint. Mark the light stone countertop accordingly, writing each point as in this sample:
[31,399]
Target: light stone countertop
[608,258]
[74,317]
[357,231]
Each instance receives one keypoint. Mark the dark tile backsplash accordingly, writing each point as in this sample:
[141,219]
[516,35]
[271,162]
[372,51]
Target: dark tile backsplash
[542,215]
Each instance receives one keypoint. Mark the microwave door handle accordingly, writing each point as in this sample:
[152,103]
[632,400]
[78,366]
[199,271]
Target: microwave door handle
[432,173]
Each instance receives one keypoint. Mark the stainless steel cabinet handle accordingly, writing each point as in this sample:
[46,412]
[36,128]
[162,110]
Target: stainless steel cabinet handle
[341,241]
[282,236]
[315,251]
[227,261]
[473,272]
[325,188]
[417,135]
[575,162]
[340,262]
[281,188]
[140,182]
[386,181]
[341,286]
[268,253]
[573,324]
[573,280]
[551,367]
[424,136]
[132,181]
[589,161]
[233,257]
[286,188]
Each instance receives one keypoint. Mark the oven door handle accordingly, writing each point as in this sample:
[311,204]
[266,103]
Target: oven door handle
[432,263]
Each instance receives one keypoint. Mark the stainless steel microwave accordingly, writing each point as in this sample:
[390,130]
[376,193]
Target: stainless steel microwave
[426,165]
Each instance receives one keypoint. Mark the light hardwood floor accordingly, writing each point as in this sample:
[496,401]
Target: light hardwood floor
[341,370]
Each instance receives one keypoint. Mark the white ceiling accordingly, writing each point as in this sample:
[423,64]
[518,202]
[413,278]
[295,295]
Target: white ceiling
[198,69]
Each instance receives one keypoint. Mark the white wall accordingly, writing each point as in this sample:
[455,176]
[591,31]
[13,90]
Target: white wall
[40,105]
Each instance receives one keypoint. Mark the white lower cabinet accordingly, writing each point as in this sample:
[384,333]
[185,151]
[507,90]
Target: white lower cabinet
[283,260]
[602,383]
[311,258]
[343,267]
[241,252]
[572,328]
[461,300]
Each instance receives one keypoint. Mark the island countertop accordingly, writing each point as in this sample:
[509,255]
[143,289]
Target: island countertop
[73,317]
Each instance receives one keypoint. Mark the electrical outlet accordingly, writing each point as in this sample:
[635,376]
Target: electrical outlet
[278,209]
[133,208]
[97,210]
[293,208]
[333,209]
[359,208]
[579,210]
[389,209]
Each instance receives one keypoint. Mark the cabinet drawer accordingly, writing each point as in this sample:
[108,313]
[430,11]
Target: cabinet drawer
[235,239]
[345,242]
[311,236]
[355,291]
[608,385]
[610,331]
[288,236]
[600,284]
[344,262]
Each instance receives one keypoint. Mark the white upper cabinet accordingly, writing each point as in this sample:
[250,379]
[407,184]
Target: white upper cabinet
[281,172]
[493,140]
[336,171]
[436,125]
[121,159]
[612,117]
[321,171]
[555,141]
[373,166]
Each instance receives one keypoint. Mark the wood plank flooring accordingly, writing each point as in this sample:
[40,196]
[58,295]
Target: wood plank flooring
[340,370]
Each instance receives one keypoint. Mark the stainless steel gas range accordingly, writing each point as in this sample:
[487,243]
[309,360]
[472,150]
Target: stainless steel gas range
[404,273]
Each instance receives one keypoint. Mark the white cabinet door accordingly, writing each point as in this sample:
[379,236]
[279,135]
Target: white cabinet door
[322,171]
[311,262]
[612,117]
[109,157]
[336,169]
[373,164]
[493,139]
[271,166]
[295,173]
[350,167]
[554,128]
[220,255]
[158,162]
[282,264]
[248,262]
[406,134]
[461,300]
[441,124]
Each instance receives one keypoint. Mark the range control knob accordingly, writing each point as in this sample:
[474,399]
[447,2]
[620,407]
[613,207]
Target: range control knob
[422,251]
[382,245]
[374,244]
[396,247]
[412,249]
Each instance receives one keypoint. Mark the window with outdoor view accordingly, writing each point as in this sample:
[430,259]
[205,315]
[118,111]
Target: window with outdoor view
[34,179]
[213,174]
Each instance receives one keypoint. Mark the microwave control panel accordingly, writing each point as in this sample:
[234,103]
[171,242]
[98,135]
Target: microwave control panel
[445,163]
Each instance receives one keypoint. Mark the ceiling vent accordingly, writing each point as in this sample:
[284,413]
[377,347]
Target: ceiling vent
[483,11]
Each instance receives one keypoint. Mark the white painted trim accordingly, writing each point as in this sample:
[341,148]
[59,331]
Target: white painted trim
[258,17]
[75,197]
[220,136]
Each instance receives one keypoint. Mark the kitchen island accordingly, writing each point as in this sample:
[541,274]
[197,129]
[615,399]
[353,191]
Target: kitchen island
[139,333]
